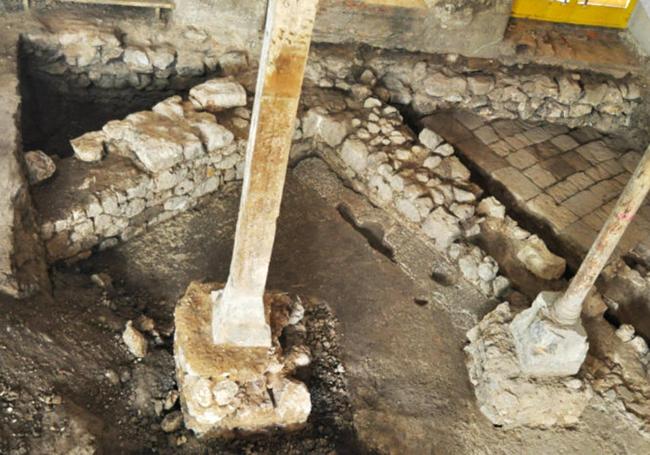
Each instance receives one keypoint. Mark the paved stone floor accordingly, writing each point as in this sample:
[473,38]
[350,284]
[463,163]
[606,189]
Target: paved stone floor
[567,180]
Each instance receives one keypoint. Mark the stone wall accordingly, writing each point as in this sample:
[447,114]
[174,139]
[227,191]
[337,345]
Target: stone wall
[181,57]
[85,55]
[427,83]
[420,181]
[138,172]
[22,269]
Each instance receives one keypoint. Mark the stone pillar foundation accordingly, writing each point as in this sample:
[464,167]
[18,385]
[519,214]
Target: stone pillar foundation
[508,396]
[226,390]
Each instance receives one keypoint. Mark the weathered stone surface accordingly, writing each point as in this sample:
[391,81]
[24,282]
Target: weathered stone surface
[508,396]
[355,154]
[540,261]
[317,123]
[39,166]
[219,94]
[491,207]
[22,267]
[429,139]
[137,59]
[442,227]
[223,389]
[544,348]
[89,147]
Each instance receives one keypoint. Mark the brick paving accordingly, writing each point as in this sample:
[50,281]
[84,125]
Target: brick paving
[565,180]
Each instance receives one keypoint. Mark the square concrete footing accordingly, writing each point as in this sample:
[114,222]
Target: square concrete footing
[226,390]
[506,394]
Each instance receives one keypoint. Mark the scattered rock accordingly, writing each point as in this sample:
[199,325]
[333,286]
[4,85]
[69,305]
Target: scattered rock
[134,340]
[39,166]
[172,422]
[170,399]
[103,280]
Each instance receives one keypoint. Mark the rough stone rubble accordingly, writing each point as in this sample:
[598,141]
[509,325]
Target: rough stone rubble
[505,394]
[431,83]
[419,180]
[224,390]
[82,55]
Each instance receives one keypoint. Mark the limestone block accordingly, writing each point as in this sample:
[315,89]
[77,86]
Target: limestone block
[491,207]
[540,261]
[137,60]
[89,147]
[171,107]
[318,123]
[225,389]
[442,227]
[213,135]
[134,340]
[545,348]
[508,396]
[355,154]
[429,139]
[219,94]
[39,166]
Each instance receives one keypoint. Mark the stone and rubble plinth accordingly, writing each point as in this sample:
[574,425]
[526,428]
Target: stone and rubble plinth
[224,389]
[506,395]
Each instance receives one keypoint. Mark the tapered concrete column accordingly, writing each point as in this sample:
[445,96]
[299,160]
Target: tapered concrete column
[238,314]
[568,308]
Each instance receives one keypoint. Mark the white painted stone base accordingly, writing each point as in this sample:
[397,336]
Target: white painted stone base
[226,390]
[545,348]
[505,394]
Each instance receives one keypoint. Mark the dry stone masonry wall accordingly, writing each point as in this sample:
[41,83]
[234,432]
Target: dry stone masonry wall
[144,169]
[427,83]
[82,55]
[419,180]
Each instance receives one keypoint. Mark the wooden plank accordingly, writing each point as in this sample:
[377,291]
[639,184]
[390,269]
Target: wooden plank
[164,4]
[238,315]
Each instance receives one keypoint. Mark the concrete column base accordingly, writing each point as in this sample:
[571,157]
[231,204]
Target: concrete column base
[544,347]
[224,390]
[506,394]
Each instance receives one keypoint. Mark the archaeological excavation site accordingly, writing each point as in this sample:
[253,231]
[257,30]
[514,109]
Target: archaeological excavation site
[325,227]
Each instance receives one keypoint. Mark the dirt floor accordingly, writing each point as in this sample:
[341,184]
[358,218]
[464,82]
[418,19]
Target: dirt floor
[386,325]
[68,384]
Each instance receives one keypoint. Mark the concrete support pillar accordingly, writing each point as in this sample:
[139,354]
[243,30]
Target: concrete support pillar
[238,315]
